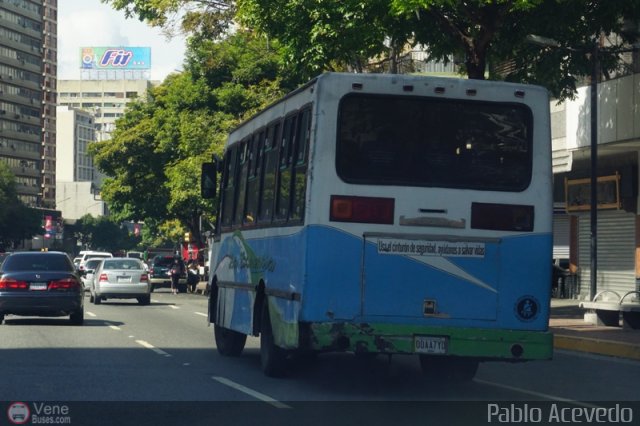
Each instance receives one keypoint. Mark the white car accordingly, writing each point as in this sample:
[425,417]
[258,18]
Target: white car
[85,255]
[87,274]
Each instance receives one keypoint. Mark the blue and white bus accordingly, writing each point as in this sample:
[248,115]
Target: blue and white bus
[390,214]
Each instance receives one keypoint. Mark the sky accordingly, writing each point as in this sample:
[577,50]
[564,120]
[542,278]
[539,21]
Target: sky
[88,23]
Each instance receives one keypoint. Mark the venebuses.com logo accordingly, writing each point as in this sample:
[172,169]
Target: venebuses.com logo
[20,413]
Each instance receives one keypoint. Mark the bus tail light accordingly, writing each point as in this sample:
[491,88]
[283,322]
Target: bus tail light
[502,217]
[362,209]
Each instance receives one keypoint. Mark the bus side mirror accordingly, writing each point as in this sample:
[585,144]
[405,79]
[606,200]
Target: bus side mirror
[208,180]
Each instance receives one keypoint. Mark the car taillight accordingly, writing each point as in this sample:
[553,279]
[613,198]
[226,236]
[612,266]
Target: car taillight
[362,209]
[144,277]
[65,284]
[502,217]
[103,277]
[11,284]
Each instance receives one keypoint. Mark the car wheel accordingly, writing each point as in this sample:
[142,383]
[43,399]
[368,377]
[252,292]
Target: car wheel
[77,317]
[272,357]
[144,300]
[97,299]
[229,342]
[90,297]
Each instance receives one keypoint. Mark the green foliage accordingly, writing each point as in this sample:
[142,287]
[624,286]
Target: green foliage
[17,221]
[357,35]
[207,18]
[475,32]
[103,234]
[154,158]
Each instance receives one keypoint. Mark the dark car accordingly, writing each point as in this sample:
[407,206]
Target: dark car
[159,273]
[41,284]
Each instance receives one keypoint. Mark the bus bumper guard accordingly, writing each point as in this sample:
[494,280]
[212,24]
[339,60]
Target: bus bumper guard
[497,344]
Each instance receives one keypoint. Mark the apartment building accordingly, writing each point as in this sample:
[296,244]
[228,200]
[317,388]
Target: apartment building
[28,67]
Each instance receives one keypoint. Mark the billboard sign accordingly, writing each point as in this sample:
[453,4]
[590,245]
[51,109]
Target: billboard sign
[115,58]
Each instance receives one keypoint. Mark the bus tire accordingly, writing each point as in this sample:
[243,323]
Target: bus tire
[451,369]
[272,358]
[229,342]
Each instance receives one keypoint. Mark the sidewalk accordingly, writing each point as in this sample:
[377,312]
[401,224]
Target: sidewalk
[572,333]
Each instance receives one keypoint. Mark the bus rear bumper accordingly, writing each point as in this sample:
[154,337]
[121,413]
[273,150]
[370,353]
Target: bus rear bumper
[481,343]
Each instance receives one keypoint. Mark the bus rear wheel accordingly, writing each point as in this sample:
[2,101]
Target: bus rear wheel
[452,369]
[229,342]
[272,357]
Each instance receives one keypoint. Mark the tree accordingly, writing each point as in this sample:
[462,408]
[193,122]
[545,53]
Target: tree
[479,31]
[153,160]
[17,221]
[209,18]
[103,234]
[353,34]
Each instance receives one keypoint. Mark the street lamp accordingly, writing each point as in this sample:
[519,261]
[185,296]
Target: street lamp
[594,51]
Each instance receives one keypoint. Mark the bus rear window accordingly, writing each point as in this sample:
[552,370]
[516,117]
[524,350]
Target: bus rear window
[417,141]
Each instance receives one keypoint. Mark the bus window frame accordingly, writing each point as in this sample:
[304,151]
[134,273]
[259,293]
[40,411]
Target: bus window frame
[248,156]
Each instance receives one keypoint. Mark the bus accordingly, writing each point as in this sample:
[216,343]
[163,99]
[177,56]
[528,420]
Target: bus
[386,214]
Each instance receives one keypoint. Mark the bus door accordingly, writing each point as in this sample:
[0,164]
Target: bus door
[430,277]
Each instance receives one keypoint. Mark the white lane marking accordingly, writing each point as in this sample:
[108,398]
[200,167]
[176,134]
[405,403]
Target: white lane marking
[91,314]
[251,392]
[153,348]
[538,394]
[174,307]
[114,327]
[201,314]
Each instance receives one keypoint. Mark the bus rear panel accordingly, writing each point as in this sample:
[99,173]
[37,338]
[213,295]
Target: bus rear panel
[392,214]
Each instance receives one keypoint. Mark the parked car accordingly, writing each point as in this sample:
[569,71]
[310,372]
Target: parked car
[120,278]
[41,284]
[92,255]
[89,268]
[159,273]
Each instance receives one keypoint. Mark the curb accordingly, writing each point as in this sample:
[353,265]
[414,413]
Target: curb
[596,346]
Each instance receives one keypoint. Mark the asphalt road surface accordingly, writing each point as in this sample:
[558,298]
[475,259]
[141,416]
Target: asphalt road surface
[162,357]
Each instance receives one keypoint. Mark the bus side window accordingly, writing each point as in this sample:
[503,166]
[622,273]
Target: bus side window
[284,171]
[243,171]
[228,188]
[253,184]
[300,165]
[267,196]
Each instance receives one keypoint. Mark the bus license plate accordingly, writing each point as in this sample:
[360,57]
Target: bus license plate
[38,286]
[431,344]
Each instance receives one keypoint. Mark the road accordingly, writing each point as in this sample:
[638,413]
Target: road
[165,353]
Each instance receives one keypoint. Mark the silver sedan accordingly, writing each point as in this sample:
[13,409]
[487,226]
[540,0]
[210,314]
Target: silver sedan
[120,278]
